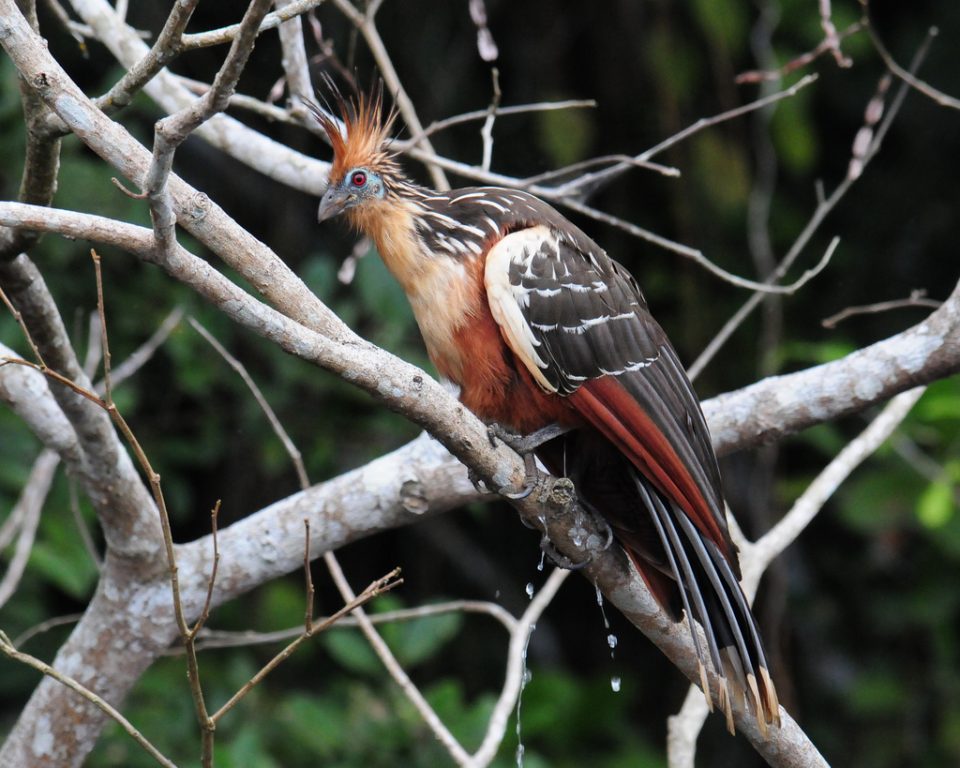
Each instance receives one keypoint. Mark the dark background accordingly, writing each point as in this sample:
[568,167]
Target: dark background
[860,615]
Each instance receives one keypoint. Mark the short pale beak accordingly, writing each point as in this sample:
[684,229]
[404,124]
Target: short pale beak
[333,202]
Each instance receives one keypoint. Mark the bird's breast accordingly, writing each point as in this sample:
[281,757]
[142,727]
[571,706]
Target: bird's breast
[467,346]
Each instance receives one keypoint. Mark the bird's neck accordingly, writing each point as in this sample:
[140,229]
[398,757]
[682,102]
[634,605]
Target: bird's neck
[443,290]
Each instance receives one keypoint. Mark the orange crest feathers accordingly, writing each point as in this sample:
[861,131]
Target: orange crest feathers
[367,134]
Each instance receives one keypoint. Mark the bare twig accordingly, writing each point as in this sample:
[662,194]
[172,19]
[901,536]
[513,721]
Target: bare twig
[143,354]
[23,327]
[82,528]
[213,638]
[172,131]
[778,538]
[9,650]
[481,114]
[596,180]
[516,668]
[907,76]
[830,37]
[77,31]
[270,21]
[917,298]
[45,626]
[567,170]
[486,132]
[426,712]
[168,46]
[295,65]
[295,456]
[212,579]
[698,257]
[27,512]
[763,75]
[377,588]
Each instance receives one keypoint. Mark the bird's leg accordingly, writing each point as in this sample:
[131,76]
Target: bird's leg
[525,446]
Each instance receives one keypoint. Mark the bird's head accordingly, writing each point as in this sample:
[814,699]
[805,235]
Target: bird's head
[363,169]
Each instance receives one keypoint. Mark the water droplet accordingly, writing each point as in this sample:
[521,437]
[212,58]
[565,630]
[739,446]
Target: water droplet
[524,679]
[599,597]
[530,590]
[540,564]
[496,595]
[615,684]
[612,641]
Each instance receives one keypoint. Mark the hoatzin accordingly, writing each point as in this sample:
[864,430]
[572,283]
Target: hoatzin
[538,326]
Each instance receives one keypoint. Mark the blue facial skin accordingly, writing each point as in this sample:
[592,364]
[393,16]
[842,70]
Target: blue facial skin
[358,184]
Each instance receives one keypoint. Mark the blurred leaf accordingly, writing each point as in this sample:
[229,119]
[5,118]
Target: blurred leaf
[418,640]
[351,650]
[723,21]
[793,134]
[877,693]
[874,501]
[936,504]
[281,604]
[317,725]
[941,402]
[566,134]
[721,168]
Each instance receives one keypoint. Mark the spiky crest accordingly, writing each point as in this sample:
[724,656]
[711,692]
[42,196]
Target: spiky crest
[367,137]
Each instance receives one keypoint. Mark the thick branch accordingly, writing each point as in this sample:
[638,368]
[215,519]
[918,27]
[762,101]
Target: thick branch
[780,405]
[99,460]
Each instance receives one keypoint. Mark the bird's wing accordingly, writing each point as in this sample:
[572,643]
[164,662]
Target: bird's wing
[580,325]
[577,321]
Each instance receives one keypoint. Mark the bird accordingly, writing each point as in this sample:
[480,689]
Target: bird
[540,328]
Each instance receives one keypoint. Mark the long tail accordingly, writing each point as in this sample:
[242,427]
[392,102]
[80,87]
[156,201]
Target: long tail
[684,569]
[710,593]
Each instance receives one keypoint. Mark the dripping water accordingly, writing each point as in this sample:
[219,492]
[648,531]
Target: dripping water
[612,639]
[530,590]
[525,678]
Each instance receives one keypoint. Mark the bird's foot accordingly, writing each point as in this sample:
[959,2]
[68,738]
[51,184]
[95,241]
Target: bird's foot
[525,445]
[530,479]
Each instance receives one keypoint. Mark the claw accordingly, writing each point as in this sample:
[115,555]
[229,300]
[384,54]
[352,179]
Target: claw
[530,479]
[477,481]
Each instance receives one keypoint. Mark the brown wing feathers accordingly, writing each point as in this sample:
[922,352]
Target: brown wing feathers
[596,344]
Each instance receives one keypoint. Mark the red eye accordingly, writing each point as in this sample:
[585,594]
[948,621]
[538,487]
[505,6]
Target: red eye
[358,179]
